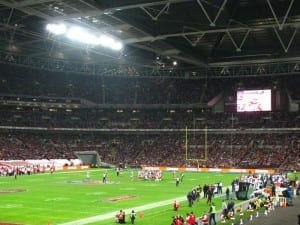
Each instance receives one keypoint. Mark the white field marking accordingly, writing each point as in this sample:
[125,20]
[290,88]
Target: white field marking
[10,206]
[151,185]
[127,189]
[96,193]
[57,199]
[111,215]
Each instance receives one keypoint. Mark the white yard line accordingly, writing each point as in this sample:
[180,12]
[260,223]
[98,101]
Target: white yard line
[111,215]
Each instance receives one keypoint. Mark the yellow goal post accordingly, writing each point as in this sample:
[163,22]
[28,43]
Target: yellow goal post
[188,147]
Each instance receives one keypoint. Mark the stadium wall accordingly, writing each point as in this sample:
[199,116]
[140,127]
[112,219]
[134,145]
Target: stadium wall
[62,165]
[222,170]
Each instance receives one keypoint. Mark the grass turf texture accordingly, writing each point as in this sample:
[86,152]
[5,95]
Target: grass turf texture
[68,196]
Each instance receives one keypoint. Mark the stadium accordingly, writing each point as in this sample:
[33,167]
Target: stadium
[114,106]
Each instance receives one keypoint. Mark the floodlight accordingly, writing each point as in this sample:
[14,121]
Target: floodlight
[106,41]
[82,35]
[109,42]
[57,29]
[117,46]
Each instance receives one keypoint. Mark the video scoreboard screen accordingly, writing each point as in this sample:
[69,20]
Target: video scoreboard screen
[253,100]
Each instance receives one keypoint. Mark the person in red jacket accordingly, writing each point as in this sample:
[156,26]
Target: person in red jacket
[176,205]
[178,220]
[191,219]
[205,219]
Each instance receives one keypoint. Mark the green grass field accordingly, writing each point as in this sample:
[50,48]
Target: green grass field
[67,196]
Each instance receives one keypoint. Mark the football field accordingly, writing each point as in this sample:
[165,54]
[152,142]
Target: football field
[70,198]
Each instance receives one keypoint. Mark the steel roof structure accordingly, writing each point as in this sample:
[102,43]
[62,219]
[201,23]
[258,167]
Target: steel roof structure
[201,35]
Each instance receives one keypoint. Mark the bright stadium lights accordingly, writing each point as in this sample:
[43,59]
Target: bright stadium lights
[117,46]
[56,29]
[107,41]
[82,35]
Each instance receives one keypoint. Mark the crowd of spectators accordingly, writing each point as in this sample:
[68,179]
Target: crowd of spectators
[144,118]
[163,104]
[223,150]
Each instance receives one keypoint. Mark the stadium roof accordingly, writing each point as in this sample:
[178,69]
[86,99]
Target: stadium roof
[195,33]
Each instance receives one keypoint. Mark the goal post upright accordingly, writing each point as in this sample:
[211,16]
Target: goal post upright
[205,146]
[186,143]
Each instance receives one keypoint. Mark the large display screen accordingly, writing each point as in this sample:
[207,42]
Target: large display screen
[253,100]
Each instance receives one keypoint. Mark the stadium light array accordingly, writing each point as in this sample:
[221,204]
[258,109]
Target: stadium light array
[84,36]
[56,29]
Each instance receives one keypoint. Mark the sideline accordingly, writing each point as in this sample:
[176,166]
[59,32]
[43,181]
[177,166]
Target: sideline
[141,208]
[111,215]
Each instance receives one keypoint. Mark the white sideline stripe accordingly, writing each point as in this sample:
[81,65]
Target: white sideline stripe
[111,215]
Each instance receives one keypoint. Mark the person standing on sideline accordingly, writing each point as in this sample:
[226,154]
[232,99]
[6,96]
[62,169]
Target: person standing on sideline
[220,188]
[104,178]
[181,176]
[132,216]
[205,189]
[15,174]
[52,168]
[88,175]
[227,193]
[190,198]
[212,213]
[131,175]
[209,195]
